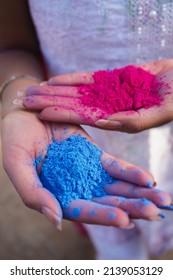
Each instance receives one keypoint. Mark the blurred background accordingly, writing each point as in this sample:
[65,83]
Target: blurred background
[26,234]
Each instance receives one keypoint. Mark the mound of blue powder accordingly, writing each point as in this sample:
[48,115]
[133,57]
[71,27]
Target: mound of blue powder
[73,170]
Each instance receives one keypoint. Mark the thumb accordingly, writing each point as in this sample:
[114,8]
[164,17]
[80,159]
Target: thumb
[128,121]
[24,177]
[135,121]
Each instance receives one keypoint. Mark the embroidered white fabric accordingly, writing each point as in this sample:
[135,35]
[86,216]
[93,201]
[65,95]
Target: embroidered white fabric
[150,30]
[90,35]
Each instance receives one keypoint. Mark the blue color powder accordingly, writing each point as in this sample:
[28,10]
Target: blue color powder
[73,170]
[145,201]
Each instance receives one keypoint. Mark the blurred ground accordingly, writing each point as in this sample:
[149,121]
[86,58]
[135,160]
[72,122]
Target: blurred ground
[25,234]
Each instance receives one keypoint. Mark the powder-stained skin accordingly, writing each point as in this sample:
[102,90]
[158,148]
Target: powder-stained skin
[73,170]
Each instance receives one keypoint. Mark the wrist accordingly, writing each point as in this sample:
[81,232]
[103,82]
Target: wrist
[11,91]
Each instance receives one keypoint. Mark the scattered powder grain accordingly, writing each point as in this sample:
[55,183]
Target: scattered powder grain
[73,170]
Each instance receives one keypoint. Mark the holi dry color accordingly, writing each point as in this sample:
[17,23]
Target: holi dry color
[124,89]
[72,169]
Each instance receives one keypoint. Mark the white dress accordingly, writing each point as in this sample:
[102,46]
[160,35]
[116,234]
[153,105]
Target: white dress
[88,35]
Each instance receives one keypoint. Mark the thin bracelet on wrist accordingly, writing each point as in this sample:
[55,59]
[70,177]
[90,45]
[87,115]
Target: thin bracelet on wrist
[14,78]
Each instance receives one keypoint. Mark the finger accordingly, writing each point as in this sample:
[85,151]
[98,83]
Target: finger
[38,102]
[53,90]
[154,67]
[24,177]
[125,171]
[120,188]
[94,213]
[128,121]
[135,121]
[83,78]
[81,115]
[137,208]
[157,67]
[155,116]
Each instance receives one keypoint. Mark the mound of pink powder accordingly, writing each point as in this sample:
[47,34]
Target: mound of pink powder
[128,88]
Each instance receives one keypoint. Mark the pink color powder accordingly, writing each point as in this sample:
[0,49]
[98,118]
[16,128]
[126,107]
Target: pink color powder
[128,88]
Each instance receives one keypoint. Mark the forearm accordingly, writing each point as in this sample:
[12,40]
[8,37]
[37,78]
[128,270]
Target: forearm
[15,62]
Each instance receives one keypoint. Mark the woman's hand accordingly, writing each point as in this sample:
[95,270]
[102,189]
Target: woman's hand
[59,100]
[25,138]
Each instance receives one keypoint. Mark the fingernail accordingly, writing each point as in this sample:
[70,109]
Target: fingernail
[18,102]
[52,217]
[149,184]
[44,83]
[129,226]
[159,217]
[166,207]
[20,93]
[162,215]
[58,224]
[103,122]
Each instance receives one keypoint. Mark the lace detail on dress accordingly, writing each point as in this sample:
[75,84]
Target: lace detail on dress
[150,25]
